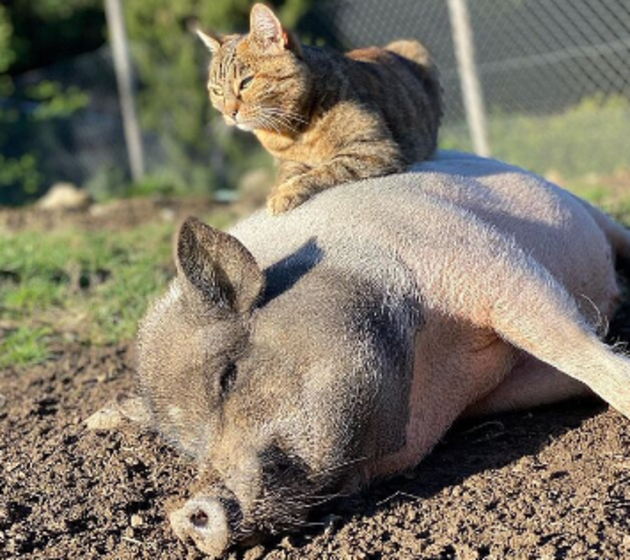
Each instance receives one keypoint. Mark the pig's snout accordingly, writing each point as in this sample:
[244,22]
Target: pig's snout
[205,520]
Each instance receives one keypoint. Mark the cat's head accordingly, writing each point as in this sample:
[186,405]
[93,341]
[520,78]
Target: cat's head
[259,81]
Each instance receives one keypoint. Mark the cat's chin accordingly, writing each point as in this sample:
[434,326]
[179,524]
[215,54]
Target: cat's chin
[240,125]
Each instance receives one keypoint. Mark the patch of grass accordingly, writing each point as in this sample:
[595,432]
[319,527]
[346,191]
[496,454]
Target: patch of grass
[23,346]
[588,138]
[611,199]
[86,286]
[91,285]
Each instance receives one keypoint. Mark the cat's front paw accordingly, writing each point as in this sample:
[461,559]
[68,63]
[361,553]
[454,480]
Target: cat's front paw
[284,199]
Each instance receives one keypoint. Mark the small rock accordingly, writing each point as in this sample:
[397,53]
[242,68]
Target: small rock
[254,553]
[132,407]
[64,196]
[99,210]
[107,418]
[136,520]
[591,538]
[167,214]
[128,532]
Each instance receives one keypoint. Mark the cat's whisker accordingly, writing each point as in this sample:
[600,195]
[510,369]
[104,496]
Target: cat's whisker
[287,114]
[282,111]
[266,121]
[278,120]
[287,121]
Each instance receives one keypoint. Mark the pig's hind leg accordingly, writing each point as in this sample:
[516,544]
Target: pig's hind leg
[536,314]
[530,383]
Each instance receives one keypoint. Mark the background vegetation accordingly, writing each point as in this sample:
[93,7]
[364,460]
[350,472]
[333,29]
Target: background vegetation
[170,66]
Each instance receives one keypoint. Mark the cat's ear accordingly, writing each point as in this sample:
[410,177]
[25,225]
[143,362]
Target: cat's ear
[213,42]
[266,30]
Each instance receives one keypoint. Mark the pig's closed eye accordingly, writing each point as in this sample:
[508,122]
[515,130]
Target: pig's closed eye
[228,376]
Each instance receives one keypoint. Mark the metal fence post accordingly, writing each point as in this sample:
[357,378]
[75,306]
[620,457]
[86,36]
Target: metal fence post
[120,51]
[467,69]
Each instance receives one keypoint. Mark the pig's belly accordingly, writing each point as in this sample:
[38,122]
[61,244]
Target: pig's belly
[455,365]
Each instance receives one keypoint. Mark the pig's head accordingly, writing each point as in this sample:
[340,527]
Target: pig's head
[267,401]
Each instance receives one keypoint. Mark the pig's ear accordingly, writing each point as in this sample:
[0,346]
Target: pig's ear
[220,270]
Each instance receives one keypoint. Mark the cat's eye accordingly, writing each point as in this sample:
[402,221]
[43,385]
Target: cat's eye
[246,82]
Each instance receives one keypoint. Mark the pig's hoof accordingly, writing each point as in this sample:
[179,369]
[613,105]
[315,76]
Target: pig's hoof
[204,520]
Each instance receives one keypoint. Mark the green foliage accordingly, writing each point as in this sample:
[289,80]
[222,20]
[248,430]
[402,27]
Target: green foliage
[23,346]
[35,33]
[26,135]
[55,102]
[19,171]
[94,285]
[7,55]
[588,138]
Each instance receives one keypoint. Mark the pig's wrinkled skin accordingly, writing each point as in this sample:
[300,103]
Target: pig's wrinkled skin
[304,355]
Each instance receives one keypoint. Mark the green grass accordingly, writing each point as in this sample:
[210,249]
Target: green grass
[588,138]
[86,286]
[24,345]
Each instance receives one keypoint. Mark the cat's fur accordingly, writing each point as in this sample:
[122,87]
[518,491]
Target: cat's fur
[327,117]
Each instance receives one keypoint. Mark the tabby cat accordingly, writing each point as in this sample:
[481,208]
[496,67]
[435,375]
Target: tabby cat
[327,117]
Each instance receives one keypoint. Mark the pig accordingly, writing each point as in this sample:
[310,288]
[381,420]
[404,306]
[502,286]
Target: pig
[305,355]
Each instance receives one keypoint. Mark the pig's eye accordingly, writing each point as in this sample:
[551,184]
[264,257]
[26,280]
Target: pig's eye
[228,376]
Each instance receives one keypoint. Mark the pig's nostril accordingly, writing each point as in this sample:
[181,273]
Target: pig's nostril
[204,520]
[199,519]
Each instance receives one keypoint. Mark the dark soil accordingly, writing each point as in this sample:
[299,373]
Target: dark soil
[551,483]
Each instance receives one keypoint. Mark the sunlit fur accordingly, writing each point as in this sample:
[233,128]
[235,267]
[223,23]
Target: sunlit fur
[327,117]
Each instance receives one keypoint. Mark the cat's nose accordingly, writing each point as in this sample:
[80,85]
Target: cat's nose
[232,110]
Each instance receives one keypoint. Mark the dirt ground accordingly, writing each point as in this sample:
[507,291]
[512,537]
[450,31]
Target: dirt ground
[550,483]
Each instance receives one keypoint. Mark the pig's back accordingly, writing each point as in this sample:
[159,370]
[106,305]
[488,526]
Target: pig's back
[398,230]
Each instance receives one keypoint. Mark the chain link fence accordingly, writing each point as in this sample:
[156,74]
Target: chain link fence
[553,77]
